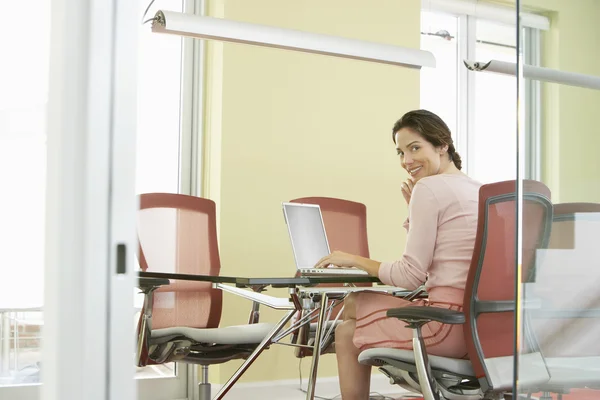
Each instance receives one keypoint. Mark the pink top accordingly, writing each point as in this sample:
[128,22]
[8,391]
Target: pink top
[441,234]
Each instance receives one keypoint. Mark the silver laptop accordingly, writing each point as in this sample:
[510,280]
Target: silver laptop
[309,240]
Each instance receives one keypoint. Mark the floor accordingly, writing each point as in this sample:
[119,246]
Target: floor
[327,389]
[28,367]
[374,396]
[298,395]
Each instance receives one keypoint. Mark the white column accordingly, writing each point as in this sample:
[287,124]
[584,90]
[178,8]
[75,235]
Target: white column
[89,67]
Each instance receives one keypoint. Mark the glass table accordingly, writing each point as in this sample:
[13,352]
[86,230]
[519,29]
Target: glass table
[301,290]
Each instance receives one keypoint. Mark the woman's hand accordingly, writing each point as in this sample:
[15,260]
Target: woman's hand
[407,188]
[345,260]
[339,259]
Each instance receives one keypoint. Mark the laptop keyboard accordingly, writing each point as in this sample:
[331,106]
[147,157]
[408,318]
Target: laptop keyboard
[332,271]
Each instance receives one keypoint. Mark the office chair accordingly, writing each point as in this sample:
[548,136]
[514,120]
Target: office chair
[489,304]
[567,325]
[180,319]
[346,226]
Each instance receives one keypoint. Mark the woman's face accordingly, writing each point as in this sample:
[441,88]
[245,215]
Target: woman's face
[417,156]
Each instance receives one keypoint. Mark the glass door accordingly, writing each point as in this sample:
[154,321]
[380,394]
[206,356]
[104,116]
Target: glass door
[558,352]
[23,165]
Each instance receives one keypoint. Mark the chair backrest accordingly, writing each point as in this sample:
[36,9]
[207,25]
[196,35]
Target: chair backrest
[178,234]
[345,223]
[569,289]
[490,291]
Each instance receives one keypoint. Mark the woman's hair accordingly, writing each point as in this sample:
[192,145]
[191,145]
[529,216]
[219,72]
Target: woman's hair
[432,128]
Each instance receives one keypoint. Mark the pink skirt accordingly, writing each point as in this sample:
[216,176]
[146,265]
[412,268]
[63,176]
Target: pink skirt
[375,329]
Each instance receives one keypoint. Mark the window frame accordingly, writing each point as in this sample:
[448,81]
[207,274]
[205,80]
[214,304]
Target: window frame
[467,16]
[192,108]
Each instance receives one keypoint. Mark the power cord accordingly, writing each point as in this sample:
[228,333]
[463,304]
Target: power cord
[146,12]
[372,395]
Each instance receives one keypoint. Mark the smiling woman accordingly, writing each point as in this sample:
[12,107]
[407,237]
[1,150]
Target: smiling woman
[442,209]
[424,144]
[425,131]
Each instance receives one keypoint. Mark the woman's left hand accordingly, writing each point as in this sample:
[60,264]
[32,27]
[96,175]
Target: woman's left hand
[339,259]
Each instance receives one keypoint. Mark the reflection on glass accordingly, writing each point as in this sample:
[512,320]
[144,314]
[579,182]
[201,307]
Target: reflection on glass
[561,301]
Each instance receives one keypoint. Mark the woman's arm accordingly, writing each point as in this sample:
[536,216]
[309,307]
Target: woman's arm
[410,271]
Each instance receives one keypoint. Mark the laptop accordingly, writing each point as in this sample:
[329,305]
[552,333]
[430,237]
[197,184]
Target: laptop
[309,240]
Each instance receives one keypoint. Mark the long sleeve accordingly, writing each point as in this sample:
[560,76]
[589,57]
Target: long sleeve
[411,270]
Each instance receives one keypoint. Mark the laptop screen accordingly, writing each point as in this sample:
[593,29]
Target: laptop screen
[307,233]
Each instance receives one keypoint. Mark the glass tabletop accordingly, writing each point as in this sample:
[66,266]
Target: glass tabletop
[272,281]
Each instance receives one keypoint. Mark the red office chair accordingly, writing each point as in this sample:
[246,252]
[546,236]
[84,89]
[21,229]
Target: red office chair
[489,305]
[346,226]
[180,320]
[345,223]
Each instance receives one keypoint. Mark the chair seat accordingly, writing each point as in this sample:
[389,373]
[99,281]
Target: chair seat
[238,334]
[377,356]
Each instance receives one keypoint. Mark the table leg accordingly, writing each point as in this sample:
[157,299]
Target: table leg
[312,379]
[252,357]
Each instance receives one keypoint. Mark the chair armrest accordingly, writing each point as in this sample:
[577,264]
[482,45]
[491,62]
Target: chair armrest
[144,327]
[146,284]
[427,314]
[416,317]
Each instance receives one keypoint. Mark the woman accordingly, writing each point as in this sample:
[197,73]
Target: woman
[442,219]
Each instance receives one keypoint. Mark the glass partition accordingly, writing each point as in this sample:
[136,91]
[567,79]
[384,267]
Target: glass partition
[23,114]
[559,305]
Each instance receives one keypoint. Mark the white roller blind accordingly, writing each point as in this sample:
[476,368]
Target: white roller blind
[487,11]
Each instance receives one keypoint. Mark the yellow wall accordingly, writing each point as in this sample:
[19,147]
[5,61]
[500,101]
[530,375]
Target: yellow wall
[571,137]
[282,125]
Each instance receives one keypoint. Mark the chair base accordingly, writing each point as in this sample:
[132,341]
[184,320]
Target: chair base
[204,391]
[450,385]
[197,353]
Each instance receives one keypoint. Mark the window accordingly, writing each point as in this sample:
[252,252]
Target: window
[479,108]
[439,87]
[495,108]
[23,98]
[159,94]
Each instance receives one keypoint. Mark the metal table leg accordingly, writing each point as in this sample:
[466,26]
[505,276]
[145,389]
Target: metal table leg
[312,380]
[259,349]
